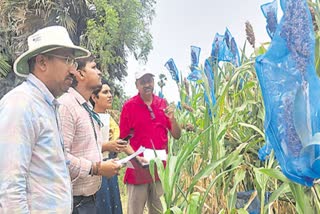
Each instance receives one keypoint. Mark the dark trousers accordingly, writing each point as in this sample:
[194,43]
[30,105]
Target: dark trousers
[84,205]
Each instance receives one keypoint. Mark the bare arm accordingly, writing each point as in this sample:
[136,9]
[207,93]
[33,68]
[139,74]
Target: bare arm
[175,128]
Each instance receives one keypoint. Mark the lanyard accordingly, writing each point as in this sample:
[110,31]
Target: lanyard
[93,115]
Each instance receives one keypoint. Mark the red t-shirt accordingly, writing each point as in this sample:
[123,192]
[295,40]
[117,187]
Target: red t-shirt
[150,131]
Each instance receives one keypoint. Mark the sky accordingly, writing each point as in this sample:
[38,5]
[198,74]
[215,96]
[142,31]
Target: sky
[178,24]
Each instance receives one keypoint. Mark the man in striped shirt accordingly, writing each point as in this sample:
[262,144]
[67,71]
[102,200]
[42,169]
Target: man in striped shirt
[82,137]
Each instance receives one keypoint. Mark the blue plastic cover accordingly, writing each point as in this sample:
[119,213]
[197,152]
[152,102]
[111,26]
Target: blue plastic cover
[270,11]
[195,74]
[232,47]
[265,150]
[171,66]
[218,48]
[210,76]
[290,89]
[195,53]
[179,106]
[224,48]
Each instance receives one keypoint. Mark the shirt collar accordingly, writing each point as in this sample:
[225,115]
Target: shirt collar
[139,100]
[79,97]
[48,96]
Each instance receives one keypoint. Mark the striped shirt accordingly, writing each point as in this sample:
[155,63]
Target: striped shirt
[34,176]
[80,143]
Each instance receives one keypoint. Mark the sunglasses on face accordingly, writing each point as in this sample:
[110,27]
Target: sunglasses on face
[67,59]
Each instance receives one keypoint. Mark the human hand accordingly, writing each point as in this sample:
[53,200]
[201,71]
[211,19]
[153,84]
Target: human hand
[109,168]
[142,160]
[118,145]
[169,111]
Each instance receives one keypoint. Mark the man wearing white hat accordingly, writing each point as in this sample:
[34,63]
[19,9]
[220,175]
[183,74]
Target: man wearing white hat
[148,118]
[34,176]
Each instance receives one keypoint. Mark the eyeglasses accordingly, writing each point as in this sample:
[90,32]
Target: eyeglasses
[68,60]
[151,112]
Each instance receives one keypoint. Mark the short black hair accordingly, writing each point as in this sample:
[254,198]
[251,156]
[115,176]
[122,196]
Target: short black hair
[32,63]
[83,61]
[97,91]
[81,64]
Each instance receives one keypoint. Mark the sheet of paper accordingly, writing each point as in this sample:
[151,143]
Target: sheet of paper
[126,159]
[150,154]
[129,165]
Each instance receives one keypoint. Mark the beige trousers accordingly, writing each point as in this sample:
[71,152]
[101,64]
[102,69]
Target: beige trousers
[138,195]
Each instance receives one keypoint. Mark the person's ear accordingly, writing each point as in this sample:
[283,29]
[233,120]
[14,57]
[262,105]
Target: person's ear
[94,98]
[41,62]
[79,74]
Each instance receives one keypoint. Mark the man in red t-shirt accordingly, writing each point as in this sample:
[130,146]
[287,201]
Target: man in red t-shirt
[148,118]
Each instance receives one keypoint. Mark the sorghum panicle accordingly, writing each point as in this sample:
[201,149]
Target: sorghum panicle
[250,34]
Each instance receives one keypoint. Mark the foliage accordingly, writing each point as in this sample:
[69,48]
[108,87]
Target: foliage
[110,29]
[119,26]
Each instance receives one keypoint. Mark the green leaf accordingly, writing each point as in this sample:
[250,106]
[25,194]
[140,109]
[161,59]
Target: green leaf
[175,210]
[284,188]
[193,203]
[252,127]
[232,195]
[242,211]
[275,173]
[205,172]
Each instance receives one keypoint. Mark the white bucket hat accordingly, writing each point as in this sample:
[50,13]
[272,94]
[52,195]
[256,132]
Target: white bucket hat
[45,40]
[141,72]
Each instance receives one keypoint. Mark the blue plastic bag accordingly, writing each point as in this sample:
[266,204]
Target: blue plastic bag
[195,53]
[270,11]
[224,48]
[172,68]
[232,47]
[195,74]
[290,89]
[210,76]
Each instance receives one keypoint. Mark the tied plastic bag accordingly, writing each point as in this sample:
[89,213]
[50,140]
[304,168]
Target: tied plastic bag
[224,48]
[172,68]
[270,11]
[195,74]
[210,77]
[290,89]
[195,53]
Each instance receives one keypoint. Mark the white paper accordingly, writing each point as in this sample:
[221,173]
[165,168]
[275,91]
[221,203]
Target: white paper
[129,165]
[128,158]
[150,154]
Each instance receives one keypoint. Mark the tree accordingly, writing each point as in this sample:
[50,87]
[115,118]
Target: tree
[111,29]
